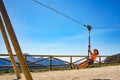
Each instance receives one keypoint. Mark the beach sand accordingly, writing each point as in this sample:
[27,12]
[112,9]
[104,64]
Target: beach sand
[101,73]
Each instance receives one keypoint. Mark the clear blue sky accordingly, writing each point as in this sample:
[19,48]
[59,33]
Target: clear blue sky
[42,31]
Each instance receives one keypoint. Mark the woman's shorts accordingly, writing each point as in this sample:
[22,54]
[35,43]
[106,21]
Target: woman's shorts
[90,61]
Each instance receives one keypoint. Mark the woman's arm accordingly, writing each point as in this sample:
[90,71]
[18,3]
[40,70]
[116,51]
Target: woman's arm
[90,50]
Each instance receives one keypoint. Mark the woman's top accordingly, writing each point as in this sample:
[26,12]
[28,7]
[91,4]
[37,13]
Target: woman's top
[93,57]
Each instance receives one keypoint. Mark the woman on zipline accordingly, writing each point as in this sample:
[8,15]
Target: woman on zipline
[93,56]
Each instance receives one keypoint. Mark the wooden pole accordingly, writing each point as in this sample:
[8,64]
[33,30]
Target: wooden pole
[50,63]
[71,65]
[71,59]
[15,41]
[100,61]
[9,49]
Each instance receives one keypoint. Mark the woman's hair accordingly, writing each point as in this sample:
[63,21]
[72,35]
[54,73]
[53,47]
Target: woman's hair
[96,50]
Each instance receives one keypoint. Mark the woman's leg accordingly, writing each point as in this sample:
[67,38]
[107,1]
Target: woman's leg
[86,65]
[89,62]
[82,64]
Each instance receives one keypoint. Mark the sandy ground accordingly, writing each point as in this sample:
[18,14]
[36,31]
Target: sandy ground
[101,73]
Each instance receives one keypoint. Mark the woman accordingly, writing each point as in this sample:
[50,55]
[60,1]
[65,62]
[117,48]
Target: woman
[93,56]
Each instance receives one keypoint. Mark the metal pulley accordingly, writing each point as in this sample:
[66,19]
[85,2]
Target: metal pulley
[89,27]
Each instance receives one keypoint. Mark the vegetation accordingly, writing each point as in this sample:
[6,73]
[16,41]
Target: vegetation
[103,64]
[11,71]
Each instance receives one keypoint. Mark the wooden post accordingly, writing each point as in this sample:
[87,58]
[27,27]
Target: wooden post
[71,59]
[9,49]
[14,41]
[111,60]
[25,56]
[71,66]
[100,60]
[50,68]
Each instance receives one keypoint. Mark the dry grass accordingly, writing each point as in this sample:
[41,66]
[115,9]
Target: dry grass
[108,73]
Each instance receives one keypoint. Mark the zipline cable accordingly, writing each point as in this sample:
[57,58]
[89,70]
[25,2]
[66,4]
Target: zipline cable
[59,13]
[107,27]
[89,28]
[68,16]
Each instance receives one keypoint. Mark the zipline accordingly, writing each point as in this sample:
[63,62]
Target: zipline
[60,13]
[89,28]
[74,20]
[108,27]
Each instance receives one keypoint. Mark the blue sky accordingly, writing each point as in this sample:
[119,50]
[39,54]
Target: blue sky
[42,31]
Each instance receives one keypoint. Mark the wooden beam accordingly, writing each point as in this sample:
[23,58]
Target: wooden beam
[38,61]
[50,67]
[79,60]
[15,42]
[9,49]
[61,60]
[8,61]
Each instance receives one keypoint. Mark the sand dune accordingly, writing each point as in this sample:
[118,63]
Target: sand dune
[101,73]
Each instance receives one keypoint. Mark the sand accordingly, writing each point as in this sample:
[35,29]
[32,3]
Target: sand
[101,73]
